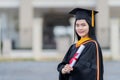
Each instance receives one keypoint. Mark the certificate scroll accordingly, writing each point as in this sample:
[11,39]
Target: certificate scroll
[76,56]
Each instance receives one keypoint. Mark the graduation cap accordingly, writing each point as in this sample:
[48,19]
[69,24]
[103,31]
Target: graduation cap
[88,15]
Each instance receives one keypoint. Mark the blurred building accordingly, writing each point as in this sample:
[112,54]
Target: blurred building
[43,28]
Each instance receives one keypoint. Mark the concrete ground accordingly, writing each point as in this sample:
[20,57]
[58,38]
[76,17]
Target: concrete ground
[34,70]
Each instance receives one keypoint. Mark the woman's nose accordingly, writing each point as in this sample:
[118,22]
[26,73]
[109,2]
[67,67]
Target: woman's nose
[80,27]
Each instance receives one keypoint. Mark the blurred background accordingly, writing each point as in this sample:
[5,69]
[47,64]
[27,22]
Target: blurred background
[42,31]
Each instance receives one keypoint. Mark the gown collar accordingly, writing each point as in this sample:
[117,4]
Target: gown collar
[82,40]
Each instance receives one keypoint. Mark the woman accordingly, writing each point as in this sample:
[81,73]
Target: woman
[89,65]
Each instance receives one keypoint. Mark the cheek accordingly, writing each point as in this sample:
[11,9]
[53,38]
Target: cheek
[76,29]
[87,29]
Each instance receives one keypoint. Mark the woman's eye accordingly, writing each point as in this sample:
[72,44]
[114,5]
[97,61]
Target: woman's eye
[77,25]
[83,25]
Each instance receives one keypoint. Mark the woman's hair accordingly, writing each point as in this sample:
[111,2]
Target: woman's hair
[91,32]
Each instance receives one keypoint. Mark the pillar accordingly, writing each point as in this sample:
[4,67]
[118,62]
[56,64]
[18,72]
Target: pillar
[7,47]
[103,23]
[0,37]
[6,42]
[25,23]
[72,22]
[115,38]
[37,37]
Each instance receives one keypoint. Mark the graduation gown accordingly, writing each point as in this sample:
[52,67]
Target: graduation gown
[89,65]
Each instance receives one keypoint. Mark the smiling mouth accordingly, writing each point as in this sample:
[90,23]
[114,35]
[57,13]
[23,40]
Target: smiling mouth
[81,32]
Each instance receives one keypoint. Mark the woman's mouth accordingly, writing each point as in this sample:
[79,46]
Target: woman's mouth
[80,32]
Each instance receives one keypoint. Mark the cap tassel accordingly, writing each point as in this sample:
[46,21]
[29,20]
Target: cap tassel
[92,18]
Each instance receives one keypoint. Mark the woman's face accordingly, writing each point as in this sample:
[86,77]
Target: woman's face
[82,28]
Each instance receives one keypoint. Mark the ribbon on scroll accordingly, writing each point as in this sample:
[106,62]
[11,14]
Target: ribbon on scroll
[76,56]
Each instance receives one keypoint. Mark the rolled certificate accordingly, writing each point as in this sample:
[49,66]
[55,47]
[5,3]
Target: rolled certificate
[76,56]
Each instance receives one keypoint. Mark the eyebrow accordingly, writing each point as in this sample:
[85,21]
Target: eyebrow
[81,23]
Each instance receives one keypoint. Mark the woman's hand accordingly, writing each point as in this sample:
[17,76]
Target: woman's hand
[67,68]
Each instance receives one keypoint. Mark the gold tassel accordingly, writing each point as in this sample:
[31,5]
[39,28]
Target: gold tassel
[92,18]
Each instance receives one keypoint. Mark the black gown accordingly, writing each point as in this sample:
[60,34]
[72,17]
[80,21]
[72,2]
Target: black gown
[88,65]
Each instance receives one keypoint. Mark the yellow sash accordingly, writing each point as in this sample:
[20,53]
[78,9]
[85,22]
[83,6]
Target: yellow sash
[82,40]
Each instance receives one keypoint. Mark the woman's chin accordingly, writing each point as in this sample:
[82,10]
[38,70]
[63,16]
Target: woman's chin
[81,35]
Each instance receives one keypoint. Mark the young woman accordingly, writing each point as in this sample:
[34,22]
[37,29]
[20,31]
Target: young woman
[89,65]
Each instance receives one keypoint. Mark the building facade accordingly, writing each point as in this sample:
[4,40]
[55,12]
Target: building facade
[43,28]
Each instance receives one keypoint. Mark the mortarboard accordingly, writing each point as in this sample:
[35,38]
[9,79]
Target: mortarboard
[84,14]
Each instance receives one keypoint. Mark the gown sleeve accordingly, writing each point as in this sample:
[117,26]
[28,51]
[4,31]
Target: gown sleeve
[97,60]
[101,64]
[63,63]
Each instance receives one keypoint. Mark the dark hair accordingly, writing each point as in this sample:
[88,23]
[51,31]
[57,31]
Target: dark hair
[91,32]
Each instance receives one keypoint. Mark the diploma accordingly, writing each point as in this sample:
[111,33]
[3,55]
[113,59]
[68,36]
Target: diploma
[76,56]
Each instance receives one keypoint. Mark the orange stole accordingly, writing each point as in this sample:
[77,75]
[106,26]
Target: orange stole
[82,40]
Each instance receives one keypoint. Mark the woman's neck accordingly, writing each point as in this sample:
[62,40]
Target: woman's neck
[85,36]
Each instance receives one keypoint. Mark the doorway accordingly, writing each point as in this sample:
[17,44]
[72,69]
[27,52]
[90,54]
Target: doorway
[52,20]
